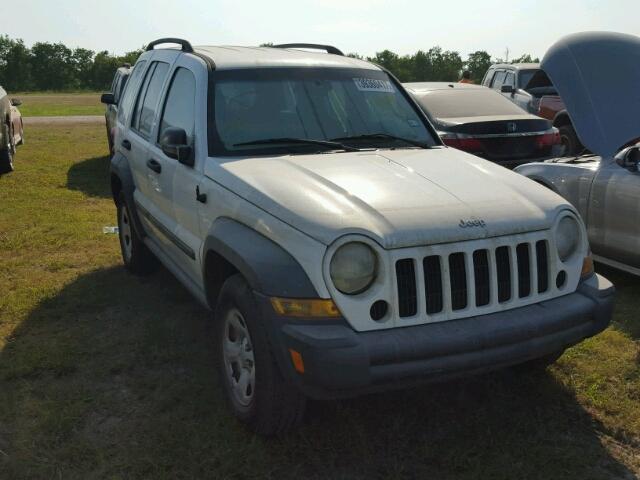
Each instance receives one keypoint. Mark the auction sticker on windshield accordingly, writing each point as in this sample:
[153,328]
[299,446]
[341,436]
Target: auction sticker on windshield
[373,85]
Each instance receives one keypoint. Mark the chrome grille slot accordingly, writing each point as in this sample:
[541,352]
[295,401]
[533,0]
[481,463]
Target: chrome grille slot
[433,284]
[483,281]
[406,281]
[458,281]
[504,273]
[542,263]
[524,271]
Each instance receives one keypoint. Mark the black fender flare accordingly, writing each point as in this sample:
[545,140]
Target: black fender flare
[122,181]
[268,268]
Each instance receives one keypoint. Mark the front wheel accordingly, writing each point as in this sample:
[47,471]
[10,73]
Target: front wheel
[253,385]
[137,258]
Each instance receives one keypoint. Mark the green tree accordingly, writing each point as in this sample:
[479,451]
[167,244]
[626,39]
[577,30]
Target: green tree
[526,58]
[478,63]
[15,65]
[52,67]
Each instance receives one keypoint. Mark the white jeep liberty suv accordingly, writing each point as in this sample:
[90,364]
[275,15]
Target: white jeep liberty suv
[306,200]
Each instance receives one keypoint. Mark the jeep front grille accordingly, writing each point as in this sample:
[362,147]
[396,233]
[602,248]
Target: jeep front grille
[483,277]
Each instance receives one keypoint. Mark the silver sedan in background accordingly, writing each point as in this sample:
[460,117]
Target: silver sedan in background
[605,110]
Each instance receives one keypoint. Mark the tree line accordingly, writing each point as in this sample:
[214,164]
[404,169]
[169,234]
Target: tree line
[54,66]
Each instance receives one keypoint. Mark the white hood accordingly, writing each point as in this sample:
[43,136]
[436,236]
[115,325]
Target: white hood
[399,198]
[597,75]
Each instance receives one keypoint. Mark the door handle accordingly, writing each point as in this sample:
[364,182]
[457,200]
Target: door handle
[154,165]
[126,144]
[201,197]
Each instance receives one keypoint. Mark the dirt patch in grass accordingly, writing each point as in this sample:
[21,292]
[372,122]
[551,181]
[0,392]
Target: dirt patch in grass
[104,375]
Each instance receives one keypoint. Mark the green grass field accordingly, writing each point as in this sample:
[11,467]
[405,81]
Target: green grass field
[59,104]
[104,375]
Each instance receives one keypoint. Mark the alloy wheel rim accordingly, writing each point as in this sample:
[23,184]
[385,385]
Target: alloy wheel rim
[239,359]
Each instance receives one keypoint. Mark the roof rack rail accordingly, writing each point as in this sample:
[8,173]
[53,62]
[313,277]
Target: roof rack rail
[186,46]
[326,48]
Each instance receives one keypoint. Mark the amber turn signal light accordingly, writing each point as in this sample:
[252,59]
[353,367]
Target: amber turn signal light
[296,359]
[587,267]
[300,307]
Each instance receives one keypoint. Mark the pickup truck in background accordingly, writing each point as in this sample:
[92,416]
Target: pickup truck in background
[528,86]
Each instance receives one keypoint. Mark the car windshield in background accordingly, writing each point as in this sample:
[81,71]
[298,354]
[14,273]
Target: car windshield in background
[524,77]
[256,110]
[472,102]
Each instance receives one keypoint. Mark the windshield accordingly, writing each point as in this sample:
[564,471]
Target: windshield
[311,104]
[524,77]
[472,102]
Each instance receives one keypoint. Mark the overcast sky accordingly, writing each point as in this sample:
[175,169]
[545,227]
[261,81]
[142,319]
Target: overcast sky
[362,26]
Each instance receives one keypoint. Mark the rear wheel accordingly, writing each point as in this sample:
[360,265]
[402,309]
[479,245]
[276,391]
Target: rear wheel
[569,141]
[137,258]
[7,151]
[254,387]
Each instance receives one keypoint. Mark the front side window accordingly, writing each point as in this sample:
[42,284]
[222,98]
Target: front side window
[510,79]
[346,105]
[179,107]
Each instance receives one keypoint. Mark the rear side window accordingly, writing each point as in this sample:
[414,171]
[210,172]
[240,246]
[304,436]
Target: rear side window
[488,78]
[179,108]
[127,98]
[119,90]
[145,110]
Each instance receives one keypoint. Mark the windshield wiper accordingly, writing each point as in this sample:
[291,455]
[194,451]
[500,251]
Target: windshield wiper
[308,141]
[382,136]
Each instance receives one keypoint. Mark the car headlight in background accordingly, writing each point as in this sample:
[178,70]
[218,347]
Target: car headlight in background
[353,268]
[567,235]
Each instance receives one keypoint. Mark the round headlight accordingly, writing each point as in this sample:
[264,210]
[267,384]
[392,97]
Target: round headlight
[567,237]
[353,268]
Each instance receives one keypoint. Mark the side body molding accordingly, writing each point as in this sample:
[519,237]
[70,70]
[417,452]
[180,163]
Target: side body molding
[268,268]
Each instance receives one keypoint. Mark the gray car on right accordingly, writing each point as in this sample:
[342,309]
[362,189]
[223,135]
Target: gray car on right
[605,186]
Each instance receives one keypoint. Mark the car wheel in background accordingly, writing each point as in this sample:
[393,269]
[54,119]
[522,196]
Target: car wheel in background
[137,258]
[569,140]
[7,151]
[253,385]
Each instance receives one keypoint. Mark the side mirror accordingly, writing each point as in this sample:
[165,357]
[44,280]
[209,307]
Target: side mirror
[629,158]
[507,89]
[173,142]
[16,102]
[108,99]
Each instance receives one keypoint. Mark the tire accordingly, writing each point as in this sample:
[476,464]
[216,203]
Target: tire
[7,151]
[539,364]
[263,401]
[570,141]
[137,258]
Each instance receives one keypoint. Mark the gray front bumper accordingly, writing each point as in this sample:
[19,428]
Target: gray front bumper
[340,362]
